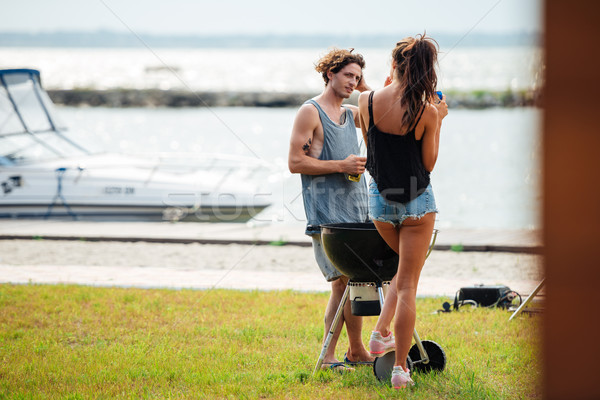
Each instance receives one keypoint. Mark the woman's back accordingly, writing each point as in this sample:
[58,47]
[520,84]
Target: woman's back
[388,112]
[394,157]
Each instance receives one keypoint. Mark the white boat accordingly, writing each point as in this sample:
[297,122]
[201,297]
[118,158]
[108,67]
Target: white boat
[45,174]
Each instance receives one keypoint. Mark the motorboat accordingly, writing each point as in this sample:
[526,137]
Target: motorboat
[45,174]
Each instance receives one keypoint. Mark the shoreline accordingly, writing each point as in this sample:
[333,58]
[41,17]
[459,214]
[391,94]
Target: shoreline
[234,266]
[176,98]
[456,247]
[204,256]
[283,235]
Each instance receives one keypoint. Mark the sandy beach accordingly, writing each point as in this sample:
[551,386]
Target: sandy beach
[236,266]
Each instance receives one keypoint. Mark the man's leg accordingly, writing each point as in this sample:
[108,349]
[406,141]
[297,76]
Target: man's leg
[356,348]
[338,286]
[337,291]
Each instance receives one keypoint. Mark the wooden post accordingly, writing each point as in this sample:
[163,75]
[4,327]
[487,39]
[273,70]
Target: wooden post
[571,208]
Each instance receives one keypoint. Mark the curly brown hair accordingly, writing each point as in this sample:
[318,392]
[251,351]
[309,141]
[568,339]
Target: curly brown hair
[337,59]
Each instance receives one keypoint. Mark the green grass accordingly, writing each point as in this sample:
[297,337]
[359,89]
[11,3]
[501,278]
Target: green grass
[77,342]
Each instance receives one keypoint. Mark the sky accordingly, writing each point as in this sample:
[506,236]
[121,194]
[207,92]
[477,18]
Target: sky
[201,17]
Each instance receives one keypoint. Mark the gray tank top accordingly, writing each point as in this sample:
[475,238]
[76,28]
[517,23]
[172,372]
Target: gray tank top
[332,198]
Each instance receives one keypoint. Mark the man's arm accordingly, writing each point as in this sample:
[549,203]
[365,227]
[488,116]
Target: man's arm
[301,162]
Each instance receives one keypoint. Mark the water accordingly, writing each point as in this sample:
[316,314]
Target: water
[488,171]
[487,175]
[247,69]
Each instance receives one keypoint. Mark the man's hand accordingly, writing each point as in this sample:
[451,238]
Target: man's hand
[354,164]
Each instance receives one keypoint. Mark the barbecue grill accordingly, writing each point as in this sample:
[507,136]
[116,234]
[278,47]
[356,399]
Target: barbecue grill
[360,253]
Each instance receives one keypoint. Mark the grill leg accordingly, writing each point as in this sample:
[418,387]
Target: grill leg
[380,293]
[334,324]
[422,351]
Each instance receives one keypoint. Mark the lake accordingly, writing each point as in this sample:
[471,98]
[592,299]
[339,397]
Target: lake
[489,168]
[487,175]
[271,69]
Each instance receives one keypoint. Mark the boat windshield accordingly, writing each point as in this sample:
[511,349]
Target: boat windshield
[29,129]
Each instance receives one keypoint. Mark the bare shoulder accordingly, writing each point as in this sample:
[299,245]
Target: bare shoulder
[430,110]
[307,111]
[363,98]
[307,116]
[430,115]
[307,123]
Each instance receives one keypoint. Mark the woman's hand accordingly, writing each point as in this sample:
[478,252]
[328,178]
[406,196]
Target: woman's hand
[442,107]
[362,85]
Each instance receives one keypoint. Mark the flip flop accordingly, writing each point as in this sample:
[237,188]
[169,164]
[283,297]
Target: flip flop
[337,367]
[356,363]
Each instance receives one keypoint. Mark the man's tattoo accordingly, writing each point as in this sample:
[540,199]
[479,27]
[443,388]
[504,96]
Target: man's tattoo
[306,146]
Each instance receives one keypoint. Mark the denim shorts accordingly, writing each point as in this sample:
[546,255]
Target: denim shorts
[394,213]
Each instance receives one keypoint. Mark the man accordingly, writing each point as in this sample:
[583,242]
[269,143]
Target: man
[324,148]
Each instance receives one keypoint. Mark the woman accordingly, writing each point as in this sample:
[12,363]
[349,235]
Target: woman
[401,125]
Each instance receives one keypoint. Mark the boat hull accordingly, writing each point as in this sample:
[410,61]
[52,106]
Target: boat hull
[130,213]
[45,174]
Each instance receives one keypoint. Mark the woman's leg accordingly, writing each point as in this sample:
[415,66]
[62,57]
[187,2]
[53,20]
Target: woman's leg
[390,234]
[414,240]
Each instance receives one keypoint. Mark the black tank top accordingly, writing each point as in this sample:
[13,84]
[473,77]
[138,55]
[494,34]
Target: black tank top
[395,162]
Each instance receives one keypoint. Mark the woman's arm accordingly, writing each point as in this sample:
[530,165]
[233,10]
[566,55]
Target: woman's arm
[433,116]
[363,114]
[362,88]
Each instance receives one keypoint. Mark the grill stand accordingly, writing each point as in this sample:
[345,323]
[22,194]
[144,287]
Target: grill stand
[428,356]
[336,320]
